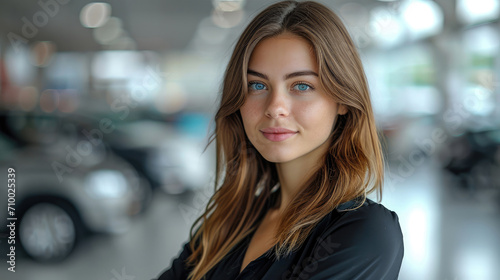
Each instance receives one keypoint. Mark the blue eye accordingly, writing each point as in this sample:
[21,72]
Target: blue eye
[302,87]
[256,86]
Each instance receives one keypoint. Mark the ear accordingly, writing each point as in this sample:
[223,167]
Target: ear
[342,109]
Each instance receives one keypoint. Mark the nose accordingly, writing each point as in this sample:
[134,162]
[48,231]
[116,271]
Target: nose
[278,104]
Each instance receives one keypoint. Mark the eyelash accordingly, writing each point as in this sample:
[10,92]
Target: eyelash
[294,85]
[304,83]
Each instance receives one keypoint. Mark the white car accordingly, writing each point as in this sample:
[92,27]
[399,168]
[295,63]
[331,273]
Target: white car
[62,192]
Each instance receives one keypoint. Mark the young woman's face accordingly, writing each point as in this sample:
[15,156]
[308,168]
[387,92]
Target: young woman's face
[284,93]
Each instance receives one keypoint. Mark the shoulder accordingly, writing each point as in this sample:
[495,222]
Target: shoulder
[370,231]
[372,226]
[364,243]
[370,214]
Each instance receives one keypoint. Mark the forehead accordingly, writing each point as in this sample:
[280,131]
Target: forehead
[283,53]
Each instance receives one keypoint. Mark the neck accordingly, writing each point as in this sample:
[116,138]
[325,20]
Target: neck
[293,174]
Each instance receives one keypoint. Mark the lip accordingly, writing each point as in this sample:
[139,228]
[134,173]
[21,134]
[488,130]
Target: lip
[277,134]
[277,130]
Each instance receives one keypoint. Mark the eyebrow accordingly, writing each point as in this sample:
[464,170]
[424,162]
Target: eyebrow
[287,76]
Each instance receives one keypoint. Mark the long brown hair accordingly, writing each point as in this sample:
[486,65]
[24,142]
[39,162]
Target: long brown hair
[353,165]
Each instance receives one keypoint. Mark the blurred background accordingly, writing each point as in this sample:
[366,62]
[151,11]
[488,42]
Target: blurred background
[106,108]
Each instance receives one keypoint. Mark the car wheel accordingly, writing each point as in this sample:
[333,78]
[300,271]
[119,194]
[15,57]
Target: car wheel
[47,232]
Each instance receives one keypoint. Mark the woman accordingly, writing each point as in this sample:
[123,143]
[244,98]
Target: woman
[298,152]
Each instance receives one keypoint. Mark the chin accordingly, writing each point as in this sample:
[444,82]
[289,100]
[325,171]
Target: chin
[276,158]
[275,154]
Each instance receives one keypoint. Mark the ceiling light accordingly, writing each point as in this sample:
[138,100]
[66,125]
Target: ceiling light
[228,5]
[95,14]
[422,17]
[474,11]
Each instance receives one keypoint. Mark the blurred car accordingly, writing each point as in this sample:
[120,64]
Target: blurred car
[163,152]
[171,160]
[46,129]
[474,158]
[66,189]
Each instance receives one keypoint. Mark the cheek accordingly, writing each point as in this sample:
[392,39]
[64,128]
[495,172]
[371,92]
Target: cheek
[248,114]
[250,109]
[318,116]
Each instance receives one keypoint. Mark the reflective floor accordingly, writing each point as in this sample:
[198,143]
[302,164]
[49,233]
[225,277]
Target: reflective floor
[449,234]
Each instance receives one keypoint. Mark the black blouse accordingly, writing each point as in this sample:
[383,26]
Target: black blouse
[365,243]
